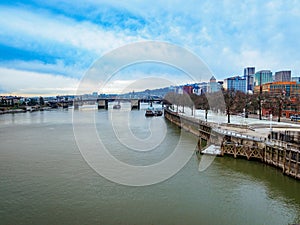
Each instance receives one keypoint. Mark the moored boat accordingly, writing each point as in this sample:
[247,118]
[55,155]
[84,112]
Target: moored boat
[118,106]
[149,112]
[158,112]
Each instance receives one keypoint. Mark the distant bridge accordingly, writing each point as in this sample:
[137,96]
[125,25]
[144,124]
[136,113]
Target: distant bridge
[103,102]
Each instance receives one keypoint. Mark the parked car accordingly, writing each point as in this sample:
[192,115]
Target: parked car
[295,118]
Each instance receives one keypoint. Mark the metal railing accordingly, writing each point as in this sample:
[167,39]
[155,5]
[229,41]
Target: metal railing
[238,135]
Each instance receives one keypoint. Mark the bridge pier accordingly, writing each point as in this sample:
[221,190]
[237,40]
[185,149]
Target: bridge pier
[135,104]
[76,105]
[102,104]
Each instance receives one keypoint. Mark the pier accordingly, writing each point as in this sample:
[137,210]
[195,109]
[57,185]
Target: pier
[278,149]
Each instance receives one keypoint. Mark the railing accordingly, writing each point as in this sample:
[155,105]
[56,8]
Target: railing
[272,142]
[238,135]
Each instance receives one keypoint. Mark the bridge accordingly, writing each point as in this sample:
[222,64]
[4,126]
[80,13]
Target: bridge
[102,103]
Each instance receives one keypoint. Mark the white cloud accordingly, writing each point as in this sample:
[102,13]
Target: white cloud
[58,67]
[17,82]
[29,26]
[228,35]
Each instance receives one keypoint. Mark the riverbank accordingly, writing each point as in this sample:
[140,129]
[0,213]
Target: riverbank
[12,111]
[23,109]
[276,148]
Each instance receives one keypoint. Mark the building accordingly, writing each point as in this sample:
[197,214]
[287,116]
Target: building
[188,89]
[202,88]
[236,83]
[263,77]
[179,90]
[196,89]
[95,94]
[221,83]
[289,88]
[296,79]
[283,76]
[9,101]
[213,85]
[249,73]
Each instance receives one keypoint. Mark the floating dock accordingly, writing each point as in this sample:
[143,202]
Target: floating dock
[212,150]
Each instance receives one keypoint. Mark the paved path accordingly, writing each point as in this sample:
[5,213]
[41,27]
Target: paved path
[256,128]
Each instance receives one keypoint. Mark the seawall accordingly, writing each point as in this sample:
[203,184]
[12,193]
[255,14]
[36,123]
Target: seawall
[280,154]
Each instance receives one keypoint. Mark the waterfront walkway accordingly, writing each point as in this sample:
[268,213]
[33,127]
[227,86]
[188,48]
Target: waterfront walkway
[240,126]
[251,141]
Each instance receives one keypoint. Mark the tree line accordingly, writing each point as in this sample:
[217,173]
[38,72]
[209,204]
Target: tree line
[236,102]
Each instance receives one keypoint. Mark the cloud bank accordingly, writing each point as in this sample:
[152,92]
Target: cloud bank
[66,37]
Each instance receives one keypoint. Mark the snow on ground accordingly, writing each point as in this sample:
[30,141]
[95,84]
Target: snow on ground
[259,128]
[220,118]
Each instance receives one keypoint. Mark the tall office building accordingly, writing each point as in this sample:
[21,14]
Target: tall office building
[283,76]
[249,76]
[236,83]
[262,77]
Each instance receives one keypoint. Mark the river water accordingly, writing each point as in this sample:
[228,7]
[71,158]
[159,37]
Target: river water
[45,180]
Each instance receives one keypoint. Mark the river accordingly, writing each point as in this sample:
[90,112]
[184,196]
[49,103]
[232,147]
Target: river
[45,180]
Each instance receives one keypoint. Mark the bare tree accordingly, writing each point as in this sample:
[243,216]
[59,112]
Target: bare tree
[201,102]
[172,99]
[275,104]
[239,102]
[295,104]
[229,98]
[186,101]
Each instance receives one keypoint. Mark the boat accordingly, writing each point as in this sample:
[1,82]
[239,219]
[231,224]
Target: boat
[158,112]
[118,106]
[153,112]
[149,112]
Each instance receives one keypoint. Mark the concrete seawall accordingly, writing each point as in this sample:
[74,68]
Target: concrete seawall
[280,154]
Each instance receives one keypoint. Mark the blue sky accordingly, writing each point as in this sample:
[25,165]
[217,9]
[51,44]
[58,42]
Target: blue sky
[47,46]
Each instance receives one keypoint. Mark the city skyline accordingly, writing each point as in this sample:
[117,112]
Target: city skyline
[46,47]
[149,83]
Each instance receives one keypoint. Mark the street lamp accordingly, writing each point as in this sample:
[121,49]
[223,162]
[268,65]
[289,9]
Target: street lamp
[244,111]
[271,116]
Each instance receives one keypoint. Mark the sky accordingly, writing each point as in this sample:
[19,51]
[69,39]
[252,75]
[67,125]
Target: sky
[47,47]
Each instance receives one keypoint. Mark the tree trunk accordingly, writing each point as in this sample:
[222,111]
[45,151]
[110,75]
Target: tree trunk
[228,116]
[206,112]
[246,112]
[279,112]
[259,108]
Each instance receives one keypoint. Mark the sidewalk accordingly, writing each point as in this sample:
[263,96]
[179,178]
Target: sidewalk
[251,126]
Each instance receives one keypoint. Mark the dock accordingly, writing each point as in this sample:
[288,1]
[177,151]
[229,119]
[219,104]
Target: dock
[212,150]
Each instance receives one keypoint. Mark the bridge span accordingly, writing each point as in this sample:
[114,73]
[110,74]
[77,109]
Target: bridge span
[102,103]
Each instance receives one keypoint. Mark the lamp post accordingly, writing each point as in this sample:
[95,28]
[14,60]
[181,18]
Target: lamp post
[259,96]
[271,116]
[244,111]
